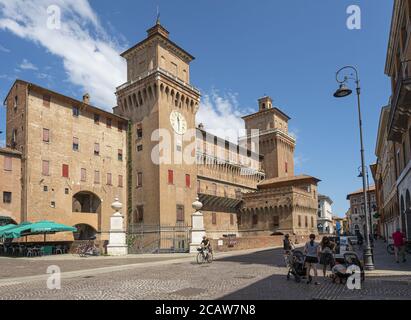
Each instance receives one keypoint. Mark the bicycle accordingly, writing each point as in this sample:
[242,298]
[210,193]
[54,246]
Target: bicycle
[204,256]
[87,249]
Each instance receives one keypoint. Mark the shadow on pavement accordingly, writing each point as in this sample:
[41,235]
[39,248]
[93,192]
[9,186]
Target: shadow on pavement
[271,257]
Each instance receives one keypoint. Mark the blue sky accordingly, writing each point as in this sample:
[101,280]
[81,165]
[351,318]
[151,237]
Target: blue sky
[289,50]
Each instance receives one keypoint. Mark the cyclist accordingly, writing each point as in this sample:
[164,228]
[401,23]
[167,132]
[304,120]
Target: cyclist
[206,246]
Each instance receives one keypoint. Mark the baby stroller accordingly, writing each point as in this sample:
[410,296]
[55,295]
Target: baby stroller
[297,266]
[340,269]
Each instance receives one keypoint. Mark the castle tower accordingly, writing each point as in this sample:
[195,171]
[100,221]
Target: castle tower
[275,143]
[158,95]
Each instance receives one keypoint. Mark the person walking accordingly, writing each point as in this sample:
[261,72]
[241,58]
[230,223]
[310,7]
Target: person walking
[326,257]
[287,247]
[399,245]
[311,251]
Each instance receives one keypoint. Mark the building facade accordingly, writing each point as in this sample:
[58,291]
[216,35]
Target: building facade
[356,215]
[393,167]
[325,215]
[151,153]
[73,159]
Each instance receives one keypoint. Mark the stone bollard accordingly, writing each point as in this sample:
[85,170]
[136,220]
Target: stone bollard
[117,245]
[197,229]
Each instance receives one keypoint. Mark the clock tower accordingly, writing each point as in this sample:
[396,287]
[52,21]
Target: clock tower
[161,105]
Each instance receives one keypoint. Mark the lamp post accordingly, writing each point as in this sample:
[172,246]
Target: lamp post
[368,192]
[343,92]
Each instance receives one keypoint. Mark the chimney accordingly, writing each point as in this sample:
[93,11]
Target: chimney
[86,98]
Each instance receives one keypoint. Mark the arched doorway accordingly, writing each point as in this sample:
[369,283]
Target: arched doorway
[84,232]
[86,202]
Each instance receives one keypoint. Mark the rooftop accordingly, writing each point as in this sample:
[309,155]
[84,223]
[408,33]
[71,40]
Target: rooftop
[285,181]
[372,189]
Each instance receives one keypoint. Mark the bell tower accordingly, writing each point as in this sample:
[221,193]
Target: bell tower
[275,143]
[161,105]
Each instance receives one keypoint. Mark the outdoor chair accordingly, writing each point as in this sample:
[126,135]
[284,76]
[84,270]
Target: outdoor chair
[59,250]
[29,252]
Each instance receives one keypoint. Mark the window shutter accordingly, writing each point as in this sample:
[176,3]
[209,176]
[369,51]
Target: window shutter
[65,171]
[46,135]
[120,181]
[46,167]
[83,175]
[139,179]
[8,163]
[214,218]
[188,181]
[109,182]
[96,177]
[170,177]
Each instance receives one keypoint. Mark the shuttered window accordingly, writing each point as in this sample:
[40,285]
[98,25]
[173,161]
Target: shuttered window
[120,181]
[46,168]
[96,177]
[96,149]
[83,175]
[46,135]
[46,100]
[188,181]
[170,177]
[8,163]
[65,171]
[109,180]
[180,213]
[214,218]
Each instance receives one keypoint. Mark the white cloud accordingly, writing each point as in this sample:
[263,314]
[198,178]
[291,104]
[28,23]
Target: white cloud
[299,160]
[90,57]
[220,115]
[4,49]
[27,65]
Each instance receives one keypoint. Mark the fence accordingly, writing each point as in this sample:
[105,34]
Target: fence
[158,239]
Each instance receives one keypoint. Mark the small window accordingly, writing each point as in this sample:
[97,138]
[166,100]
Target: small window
[306,221]
[8,163]
[83,175]
[46,100]
[139,148]
[180,213]
[16,101]
[231,219]
[96,119]
[96,149]
[170,177]
[75,144]
[53,204]
[45,188]
[76,111]
[139,180]
[255,219]
[120,181]
[120,126]
[120,155]
[66,191]
[299,221]
[6,197]
[65,171]
[139,132]
[97,177]
[188,181]
[46,168]
[109,180]
[108,123]
[140,214]
[214,218]
[46,135]
[286,167]
[312,222]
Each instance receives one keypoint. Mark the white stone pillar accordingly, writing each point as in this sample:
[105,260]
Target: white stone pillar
[117,244]
[197,229]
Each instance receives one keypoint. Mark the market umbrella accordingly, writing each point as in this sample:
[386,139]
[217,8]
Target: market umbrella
[10,227]
[41,227]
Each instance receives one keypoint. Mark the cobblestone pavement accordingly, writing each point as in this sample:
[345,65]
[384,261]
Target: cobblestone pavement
[254,276]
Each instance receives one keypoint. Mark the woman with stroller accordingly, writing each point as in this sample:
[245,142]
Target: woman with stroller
[326,257]
[311,251]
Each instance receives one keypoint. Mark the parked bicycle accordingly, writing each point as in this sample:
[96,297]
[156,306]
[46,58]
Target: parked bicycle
[204,255]
[87,249]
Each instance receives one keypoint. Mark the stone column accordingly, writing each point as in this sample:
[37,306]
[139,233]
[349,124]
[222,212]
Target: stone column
[197,230]
[117,244]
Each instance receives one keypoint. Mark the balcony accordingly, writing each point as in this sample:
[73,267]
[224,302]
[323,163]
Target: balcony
[400,103]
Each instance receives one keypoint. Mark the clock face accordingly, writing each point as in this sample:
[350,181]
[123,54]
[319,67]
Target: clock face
[178,122]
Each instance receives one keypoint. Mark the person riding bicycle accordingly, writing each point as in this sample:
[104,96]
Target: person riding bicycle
[206,244]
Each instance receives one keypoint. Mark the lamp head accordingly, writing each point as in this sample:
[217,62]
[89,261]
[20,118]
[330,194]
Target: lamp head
[343,91]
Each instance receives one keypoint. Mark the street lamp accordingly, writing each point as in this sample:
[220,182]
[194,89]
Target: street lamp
[344,91]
